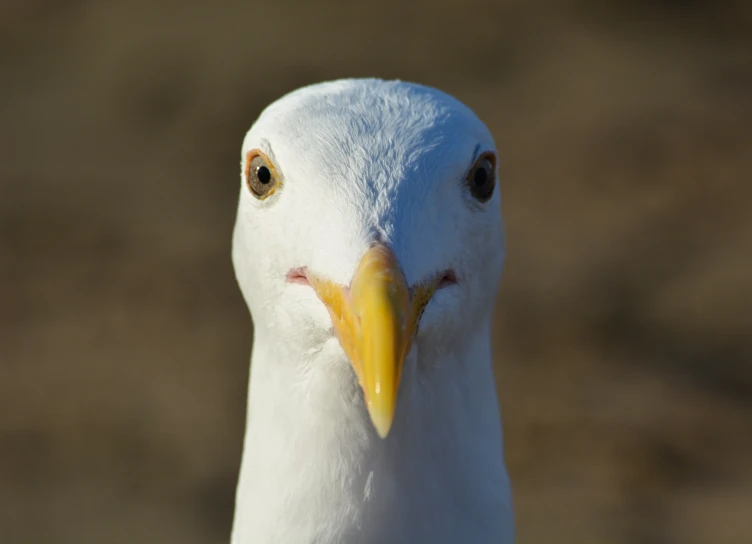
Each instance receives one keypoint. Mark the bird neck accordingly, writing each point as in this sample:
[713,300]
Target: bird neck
[314,469]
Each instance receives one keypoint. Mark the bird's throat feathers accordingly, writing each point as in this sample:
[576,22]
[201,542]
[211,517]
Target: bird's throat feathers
[312,456]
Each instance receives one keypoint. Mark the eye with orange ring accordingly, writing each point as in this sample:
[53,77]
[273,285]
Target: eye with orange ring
[261,176]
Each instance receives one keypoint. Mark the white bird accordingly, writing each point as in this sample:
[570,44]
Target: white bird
[369,246]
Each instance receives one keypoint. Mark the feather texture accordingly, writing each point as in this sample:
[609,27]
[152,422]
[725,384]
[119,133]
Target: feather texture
[361,161]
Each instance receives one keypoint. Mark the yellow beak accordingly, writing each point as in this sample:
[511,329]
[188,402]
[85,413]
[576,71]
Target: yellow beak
[375,320]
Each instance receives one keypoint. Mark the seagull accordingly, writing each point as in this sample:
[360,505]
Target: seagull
[369,246]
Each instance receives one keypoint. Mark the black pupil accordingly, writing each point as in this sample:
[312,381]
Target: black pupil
[263,174]
[481,175]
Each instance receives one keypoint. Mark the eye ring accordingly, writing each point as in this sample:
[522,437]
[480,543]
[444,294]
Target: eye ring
[481,179]
[261,176]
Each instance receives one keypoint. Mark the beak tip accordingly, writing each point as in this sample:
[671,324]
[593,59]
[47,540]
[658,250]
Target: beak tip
[382,424]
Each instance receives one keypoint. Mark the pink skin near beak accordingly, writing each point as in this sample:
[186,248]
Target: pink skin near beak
[375,319]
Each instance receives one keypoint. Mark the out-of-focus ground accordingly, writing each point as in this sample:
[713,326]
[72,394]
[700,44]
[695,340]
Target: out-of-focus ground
[624,323]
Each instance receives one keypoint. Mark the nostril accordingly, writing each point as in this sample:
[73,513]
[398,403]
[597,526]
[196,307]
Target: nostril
[449,278]
[298,275]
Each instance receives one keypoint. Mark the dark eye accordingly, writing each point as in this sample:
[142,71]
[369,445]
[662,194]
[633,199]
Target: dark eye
[260,174]
[482,177]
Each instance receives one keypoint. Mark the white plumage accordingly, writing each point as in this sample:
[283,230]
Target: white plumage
[357,165]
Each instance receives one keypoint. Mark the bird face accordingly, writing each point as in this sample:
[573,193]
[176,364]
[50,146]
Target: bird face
[369,215]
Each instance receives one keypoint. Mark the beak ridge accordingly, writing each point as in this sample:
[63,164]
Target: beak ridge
[375,320]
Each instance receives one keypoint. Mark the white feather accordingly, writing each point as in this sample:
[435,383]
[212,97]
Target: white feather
[363,160]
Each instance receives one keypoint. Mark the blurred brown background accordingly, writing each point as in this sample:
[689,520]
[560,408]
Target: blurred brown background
[623,339]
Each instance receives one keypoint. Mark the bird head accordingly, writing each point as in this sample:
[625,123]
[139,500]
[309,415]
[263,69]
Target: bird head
[369,215]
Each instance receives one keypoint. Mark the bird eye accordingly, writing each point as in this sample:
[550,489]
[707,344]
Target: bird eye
[482,177]
[260,174]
